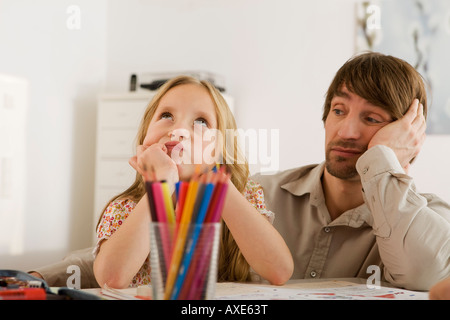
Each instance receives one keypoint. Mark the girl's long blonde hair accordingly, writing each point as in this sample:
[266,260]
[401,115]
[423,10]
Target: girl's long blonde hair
[232,264]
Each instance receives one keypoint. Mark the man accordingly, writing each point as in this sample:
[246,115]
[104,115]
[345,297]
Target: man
[358,213]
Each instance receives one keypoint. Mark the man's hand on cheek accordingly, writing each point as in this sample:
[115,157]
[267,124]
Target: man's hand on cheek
[404,136]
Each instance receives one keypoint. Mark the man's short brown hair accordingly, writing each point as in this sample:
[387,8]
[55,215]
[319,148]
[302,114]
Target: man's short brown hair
[385,81]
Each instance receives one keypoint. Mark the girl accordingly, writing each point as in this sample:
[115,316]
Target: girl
[186,108]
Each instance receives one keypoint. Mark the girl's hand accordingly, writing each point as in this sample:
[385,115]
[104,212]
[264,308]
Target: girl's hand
[155,159]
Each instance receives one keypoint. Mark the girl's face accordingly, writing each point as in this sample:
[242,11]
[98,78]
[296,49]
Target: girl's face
[184,123]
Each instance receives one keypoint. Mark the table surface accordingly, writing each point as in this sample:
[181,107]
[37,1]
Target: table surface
[301,289]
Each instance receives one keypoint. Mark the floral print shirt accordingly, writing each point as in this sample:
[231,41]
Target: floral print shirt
[118,210]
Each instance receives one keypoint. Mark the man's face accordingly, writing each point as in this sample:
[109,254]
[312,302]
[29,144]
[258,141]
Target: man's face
[349,127]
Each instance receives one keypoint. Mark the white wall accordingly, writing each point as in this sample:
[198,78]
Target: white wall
[278,58]
[430,170]
[65,70]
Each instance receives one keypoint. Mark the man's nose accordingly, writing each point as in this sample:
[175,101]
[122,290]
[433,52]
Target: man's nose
[350,128]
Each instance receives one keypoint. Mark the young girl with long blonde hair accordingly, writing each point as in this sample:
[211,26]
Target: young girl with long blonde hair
[185,108]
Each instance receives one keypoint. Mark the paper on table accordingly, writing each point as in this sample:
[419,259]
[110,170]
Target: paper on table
[323,290]
[126,294]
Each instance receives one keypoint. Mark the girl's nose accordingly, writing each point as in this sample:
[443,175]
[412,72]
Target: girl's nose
[179,135]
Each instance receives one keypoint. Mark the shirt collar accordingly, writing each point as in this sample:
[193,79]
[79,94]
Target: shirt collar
[310,182]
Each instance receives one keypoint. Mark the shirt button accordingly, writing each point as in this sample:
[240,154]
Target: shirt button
[365,170]
[313,274]
[327,229]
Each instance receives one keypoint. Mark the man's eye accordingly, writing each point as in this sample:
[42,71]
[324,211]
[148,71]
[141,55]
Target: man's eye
[337,112]
[201,121]
[372,120]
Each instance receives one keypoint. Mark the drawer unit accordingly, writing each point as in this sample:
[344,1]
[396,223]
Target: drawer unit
[118,120]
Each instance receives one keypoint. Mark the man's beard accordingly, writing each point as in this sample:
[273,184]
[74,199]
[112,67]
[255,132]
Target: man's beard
[342,167]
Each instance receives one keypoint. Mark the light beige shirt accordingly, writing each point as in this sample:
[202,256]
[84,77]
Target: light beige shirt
[405,233]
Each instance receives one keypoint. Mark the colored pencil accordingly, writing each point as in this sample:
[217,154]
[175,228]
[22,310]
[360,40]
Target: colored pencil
[168,202]
[151,202]
[184,185]
[186,254]
[221,202]
[192,242]
[158,196]
[181,237]
[204,259]
[163,227]
[148,188]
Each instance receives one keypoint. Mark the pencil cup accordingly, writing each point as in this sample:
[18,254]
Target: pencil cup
[183,260]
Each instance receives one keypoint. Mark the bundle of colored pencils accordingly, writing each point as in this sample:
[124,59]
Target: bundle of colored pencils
[187,232]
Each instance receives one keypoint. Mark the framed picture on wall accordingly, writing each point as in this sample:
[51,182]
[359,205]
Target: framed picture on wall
[417,31]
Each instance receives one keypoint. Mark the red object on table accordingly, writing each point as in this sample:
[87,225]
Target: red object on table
[23,294]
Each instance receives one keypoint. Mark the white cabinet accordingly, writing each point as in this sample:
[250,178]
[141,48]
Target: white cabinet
[118,119]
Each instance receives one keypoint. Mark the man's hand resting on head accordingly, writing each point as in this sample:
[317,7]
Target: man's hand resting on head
[404,136]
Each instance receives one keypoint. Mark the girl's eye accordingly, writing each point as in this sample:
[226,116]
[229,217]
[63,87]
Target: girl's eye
[201,121]
[166,115]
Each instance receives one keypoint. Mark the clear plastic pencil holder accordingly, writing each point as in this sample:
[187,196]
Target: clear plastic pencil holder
[183,260]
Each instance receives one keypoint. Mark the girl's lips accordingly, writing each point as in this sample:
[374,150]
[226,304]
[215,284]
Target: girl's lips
[171,145]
